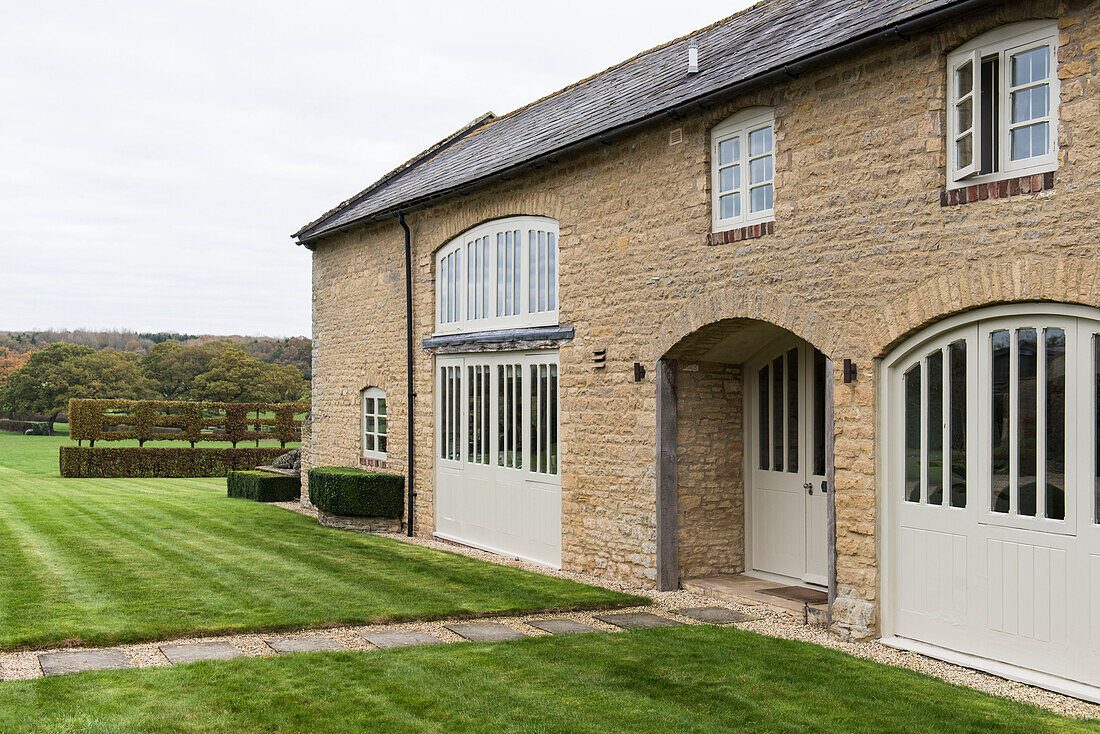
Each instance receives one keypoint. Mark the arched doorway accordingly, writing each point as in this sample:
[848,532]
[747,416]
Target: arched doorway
[743,451]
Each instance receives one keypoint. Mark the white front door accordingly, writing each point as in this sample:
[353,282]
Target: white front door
[786,455]
[993,493]
[498,483]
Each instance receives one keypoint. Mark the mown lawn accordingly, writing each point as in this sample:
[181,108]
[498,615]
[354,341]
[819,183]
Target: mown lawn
[104,561]
[687,679]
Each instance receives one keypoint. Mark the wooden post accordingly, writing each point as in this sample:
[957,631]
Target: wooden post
[830,479]
[668,565]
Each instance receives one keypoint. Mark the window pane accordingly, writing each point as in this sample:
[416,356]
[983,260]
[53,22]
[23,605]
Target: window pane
[381,430]
[532,274]
[551,270]
[542,271]
[934,465]
[1000,417]
[760,141]
[957,442]
[762,198]
[792,410]
[1030,104]
[760,170]
[381,406]
[965,114]
[1030,66]
[964,79]
[1055,354]
[1030,141]
[500,273]
[912,433]
[729,151]
[368,423]
[964,151]
[764,436]
[552,419]
[730,206]
[820,366]
[368,442]
[777,413]
[730,178]
[368,405]
[1027,355]
[382,444]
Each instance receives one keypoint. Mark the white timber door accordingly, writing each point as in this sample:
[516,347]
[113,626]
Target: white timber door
[498,481]
[993,502]
[788,504]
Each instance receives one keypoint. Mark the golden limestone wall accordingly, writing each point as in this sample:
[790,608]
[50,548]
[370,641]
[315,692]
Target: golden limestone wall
[861,253]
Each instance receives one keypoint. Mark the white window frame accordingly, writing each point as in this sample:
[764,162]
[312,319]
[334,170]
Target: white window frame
[374,393]
[455,302]
[1002,42]
[740,126]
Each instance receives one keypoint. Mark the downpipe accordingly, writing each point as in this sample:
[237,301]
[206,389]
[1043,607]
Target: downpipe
[411,394]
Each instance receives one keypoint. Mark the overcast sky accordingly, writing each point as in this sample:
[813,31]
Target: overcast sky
[156,156]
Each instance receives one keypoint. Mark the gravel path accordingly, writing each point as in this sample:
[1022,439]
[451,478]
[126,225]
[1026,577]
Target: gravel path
[770,621]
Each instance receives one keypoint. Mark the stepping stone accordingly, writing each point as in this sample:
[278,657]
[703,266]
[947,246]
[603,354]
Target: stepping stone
[715,615]
[638,620]
[311,643]
[562,626]
[399,638]
[80,661]
[486,631]
[194,651]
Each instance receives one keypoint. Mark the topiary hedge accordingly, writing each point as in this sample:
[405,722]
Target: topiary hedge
[263,486]
[118,461]
[356,493]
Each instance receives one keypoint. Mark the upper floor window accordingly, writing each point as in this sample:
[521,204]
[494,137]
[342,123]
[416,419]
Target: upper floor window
[743,169]
[375,426]
[1003,104]
[501,274]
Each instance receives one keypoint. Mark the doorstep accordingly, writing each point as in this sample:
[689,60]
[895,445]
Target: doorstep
[747,590]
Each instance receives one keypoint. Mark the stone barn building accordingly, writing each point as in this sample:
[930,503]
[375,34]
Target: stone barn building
[810,296]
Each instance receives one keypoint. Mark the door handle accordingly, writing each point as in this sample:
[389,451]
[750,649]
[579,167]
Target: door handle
[808,487]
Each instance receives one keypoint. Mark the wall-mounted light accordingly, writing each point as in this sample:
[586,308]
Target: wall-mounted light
[849,371]
[639,372]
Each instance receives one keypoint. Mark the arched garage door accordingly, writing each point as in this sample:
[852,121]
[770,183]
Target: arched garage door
[993,494]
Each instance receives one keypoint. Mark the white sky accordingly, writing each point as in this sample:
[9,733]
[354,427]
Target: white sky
[156,156]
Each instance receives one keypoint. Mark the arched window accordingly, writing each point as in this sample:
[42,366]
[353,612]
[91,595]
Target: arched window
[498,275]
[1003,104]
[375,426]
[743,169]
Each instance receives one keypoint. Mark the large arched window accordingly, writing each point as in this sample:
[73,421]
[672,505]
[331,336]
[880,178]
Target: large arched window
[498,275]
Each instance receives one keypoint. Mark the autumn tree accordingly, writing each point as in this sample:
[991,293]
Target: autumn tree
[10,361]
[55,375]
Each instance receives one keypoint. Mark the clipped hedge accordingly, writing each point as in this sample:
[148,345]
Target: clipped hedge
[121,420]
[356,493]
[263,486]
[118,461]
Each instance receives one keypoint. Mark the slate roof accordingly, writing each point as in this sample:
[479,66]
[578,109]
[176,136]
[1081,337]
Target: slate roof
[768,37]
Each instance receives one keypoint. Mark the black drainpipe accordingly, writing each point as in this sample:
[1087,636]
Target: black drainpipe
[409,364]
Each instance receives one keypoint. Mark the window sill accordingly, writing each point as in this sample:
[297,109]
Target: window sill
[748,232]
[1003,189]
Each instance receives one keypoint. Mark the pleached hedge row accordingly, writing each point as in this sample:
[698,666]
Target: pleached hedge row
[165,420]
[131,461]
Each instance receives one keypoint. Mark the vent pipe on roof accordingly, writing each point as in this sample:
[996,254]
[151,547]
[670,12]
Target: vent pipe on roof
[693,57]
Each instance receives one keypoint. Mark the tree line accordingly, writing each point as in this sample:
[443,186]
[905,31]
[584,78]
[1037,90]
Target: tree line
[216,371]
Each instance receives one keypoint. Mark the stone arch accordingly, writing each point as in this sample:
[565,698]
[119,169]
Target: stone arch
[470,214]
[1053,279]
[784,310]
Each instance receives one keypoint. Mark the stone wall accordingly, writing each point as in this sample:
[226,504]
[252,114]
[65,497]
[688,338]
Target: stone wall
[861,254]
[709,447]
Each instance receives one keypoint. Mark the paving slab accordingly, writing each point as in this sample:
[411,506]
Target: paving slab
[399,638]
[309,643]
[486,631]
[562,626]
[715,615]
[191,652]
[638,620]
[81,661]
